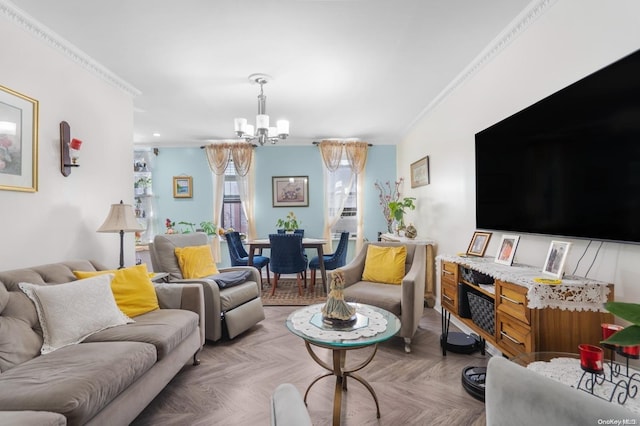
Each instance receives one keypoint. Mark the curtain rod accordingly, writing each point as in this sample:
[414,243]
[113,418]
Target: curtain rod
[343,143]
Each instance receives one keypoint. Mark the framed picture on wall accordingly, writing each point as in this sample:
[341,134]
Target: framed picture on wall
[18,141]
[420,172]
[507,249]
[478,244]
[290,191]
[556,256]
[182,187]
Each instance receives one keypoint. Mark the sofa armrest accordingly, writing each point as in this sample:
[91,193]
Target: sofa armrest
[255,274]
[188,296]
[353,270]
[515,395]
[32,418]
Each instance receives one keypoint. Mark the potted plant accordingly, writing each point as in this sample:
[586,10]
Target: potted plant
[630,335]
[209,228]
[397,210]
[289,223]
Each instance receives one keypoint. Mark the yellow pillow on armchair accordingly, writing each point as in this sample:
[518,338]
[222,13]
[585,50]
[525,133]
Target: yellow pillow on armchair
[384,264]
[132,288]
[196,261]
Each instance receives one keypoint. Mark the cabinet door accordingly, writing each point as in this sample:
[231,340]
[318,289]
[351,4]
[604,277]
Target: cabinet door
[511,299]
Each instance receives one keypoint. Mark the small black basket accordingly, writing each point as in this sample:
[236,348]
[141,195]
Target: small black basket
[482,311]
[475,277]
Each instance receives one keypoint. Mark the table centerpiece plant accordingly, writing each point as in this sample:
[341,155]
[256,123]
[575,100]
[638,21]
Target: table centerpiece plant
[289,223]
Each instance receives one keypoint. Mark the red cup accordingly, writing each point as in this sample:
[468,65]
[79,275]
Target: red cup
[591,358]
[609,330]
[75,144]
[632,351]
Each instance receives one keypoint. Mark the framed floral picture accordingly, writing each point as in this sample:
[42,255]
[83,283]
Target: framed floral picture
[290,191]
[18,141]
[420,172]
[478,244]
[507,249]
[556,256]
[182,187]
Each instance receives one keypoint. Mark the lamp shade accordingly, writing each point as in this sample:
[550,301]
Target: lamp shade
[121,218]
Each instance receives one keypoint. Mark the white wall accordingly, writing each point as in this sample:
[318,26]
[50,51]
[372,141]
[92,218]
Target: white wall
[59,221]
[570,40]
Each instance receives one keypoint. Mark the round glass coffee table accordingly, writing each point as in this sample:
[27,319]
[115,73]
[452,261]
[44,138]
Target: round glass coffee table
[373,325]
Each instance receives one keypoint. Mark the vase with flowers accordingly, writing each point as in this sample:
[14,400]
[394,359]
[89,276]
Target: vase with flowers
[289,223]
[398,210]
[387,194]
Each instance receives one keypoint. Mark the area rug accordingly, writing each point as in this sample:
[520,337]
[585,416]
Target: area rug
[287,294]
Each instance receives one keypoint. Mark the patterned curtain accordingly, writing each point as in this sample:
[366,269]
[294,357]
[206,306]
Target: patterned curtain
[331,151]
[335,196]
[219,154]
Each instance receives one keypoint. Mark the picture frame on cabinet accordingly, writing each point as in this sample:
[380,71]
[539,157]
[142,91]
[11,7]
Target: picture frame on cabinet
[507,249]
[479,243]
[18,141]
[420,172]
[556,257]
[182,187]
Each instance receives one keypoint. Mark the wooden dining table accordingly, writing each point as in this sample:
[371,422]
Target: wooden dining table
[312,243]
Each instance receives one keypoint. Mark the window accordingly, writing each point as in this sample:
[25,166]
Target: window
[232,214]
[341,179]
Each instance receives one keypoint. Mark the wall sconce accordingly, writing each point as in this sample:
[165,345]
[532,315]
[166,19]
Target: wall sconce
[69,149]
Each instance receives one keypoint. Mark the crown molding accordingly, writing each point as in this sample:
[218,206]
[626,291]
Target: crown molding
[57,42]
[532,12]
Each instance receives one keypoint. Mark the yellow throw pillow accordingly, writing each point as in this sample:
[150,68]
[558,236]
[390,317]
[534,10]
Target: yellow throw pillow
[131,287]
[384,264]
[196,261]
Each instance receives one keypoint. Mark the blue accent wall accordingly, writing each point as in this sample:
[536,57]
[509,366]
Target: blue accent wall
[280,160]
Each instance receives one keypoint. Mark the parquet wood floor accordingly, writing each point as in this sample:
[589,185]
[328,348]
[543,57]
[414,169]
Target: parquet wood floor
[233,384]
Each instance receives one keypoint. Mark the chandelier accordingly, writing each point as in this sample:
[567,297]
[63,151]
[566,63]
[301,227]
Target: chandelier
[263,132]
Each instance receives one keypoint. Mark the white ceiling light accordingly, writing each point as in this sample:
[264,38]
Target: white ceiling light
[263,132]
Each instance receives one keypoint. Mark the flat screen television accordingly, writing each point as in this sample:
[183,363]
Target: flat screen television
[568,165]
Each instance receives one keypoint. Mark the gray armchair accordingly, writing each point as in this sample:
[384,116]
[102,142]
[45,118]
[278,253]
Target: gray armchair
[406,300]
[238,307]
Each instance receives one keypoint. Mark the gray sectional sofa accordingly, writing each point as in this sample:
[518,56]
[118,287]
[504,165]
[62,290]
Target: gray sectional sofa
[111,376]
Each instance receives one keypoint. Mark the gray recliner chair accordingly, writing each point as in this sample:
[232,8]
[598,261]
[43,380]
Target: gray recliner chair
[238,307]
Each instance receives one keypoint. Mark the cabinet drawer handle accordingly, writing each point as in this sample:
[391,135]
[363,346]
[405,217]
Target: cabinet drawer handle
[444,271]
[502,333]
[447,297]
[508,299]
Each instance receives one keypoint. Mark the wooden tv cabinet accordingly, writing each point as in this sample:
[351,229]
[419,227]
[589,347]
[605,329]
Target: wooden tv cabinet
[518,328]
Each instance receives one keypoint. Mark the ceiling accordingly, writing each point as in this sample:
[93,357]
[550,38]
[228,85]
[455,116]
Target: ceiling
[341,68]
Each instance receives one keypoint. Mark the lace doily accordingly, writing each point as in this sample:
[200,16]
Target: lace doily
[309,321]
[574,294]
[567,371]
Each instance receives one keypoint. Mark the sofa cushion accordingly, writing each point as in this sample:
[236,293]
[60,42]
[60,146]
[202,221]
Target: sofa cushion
[163,328]
[385,264]
[132,288]
[70,312]
[196,261]
[20,333]
[385,296]
[77,381]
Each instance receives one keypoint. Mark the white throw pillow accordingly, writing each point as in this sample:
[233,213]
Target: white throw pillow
[71,312]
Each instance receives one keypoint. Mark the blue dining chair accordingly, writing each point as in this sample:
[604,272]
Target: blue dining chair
[240,257]
[287,258]
[333,260]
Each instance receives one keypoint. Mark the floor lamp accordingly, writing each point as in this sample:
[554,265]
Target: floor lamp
[121,219]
